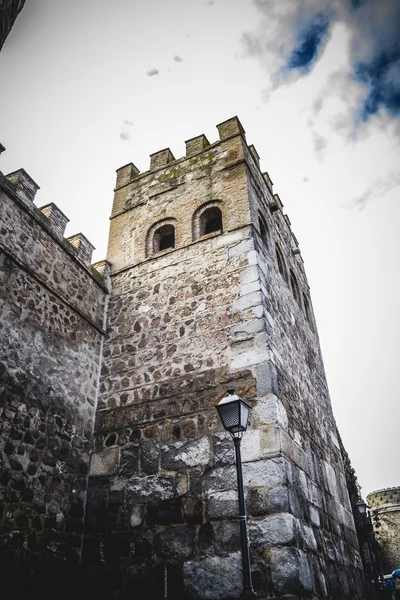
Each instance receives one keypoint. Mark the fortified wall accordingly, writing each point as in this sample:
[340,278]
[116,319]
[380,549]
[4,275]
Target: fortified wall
[386,503]
[209,292]
[52,308]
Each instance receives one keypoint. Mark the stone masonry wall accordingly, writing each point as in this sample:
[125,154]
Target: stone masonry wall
[51,326]
[184,325]
[386,503]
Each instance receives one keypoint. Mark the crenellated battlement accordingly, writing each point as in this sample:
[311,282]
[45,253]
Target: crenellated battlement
[384,497]
[22,188]
[153,196]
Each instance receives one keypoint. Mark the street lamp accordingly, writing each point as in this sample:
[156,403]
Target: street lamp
[234,414]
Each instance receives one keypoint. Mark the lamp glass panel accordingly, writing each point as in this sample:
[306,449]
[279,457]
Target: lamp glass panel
[229,413]
[244,415]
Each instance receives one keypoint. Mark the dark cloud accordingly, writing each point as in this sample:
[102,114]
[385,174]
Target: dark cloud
[152,72]
[292,35]
[381,76]
[178,58]
[308,42]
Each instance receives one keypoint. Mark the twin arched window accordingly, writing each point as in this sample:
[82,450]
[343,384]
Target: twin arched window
[206,220]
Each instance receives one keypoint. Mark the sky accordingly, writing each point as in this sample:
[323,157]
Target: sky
[90,85]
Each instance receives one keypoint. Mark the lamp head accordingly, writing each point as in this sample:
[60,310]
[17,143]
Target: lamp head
[234,413]
[361,507]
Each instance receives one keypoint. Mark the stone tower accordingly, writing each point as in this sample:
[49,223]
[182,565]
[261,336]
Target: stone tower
[208,293]
[386,503]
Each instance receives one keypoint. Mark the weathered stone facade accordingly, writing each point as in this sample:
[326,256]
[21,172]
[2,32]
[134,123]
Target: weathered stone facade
[123,484]
[386,503]
[9,11]
[209,292]
[52,305]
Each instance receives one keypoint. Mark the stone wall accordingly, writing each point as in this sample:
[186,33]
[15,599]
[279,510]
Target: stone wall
[218,310]
[386,504]
[9,11]
[52,306]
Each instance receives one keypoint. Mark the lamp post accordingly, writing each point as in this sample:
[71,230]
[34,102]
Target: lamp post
[363,511]
[234,414]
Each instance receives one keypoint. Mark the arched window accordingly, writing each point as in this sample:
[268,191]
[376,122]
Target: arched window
[294,286]
[281,262]
[161,236]
[164,238]
[210,221]
[262,226]
[307,308]
[207,219]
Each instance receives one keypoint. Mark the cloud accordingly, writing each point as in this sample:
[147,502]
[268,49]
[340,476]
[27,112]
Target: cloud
[152,72]
[178,58]
[125,133]
[293,34]
[308,43]
[379,189]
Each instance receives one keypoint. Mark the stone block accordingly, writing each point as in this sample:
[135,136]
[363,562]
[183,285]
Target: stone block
[149,457]
[293,451]
[246,301]
[309,541]
[223,505]
[256,502]
[150,489]
[270,440]
[186,454]
[104,462]
[249,358]
[213,578]
[248,328]
[276,530]
[129,461]
[314,516]
[136,516]
[269,410]
[251,446]
[277,499]
[264,472]
[290,571]
[220,479]
[175,543]
[165,512]
[224,450]
[249,275]
[227,537]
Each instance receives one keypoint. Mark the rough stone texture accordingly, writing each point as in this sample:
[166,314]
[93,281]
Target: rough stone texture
[51,317]
[213,578]
[223,303]
[386,504]
[10,10]
[188,322]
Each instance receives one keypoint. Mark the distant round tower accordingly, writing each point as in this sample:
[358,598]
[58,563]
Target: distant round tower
[387,504]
